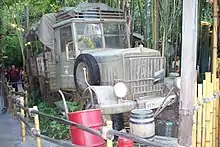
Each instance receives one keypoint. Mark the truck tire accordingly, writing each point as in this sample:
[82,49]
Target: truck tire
[92,68]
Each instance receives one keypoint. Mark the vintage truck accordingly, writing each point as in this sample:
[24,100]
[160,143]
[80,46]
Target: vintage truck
[88,52]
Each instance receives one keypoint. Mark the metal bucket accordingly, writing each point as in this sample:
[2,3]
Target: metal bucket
[142,123]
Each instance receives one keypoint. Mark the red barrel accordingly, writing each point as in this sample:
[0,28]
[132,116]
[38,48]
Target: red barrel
[124,142]
[90,118]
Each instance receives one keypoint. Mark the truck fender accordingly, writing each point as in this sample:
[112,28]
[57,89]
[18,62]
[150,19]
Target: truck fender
[103,94]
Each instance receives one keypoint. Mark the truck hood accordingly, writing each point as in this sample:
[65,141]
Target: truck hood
[129,52]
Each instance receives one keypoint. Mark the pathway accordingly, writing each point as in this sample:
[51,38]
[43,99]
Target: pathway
[10,132]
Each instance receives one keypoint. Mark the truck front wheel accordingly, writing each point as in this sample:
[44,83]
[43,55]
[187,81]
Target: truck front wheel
[88,62]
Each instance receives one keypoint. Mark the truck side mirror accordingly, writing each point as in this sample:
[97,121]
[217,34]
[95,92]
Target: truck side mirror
[159,76]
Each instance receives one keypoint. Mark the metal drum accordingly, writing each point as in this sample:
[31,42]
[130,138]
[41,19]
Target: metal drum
[90,118]
[142,123]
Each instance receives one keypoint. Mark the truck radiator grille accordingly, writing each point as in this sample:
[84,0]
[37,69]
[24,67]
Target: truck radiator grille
[138,70]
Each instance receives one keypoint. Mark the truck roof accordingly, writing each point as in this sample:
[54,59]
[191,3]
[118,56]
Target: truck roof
[86,12]
[89,11]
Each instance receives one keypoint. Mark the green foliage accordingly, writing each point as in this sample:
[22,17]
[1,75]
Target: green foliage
[36,47]
[73,106]
[13,12]
[48,127]
[207,12]
[52,128]
[12,51]
[168,27]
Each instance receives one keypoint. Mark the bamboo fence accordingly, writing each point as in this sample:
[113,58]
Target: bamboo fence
[206,125]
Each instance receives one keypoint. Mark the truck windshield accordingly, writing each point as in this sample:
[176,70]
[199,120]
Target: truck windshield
[89,36]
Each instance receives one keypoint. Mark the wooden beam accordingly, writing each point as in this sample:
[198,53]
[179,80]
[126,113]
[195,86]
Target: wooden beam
[188,71]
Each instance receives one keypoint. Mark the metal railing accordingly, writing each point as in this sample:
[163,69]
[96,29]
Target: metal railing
[20,99]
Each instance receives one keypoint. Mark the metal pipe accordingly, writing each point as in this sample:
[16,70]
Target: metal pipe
[64,103]
[89,87]
[158,109]
[126,107]
[16,83]
[67,122]
[35,133]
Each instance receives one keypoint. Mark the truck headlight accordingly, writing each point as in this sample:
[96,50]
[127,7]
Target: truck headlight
[120,90]
[177,83]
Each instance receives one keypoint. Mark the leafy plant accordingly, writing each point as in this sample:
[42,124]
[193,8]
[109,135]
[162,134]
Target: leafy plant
[12,51]
[73,106]
[50,128]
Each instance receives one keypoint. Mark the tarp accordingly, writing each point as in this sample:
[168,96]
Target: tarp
[88,6]
[82,7]
[45,30]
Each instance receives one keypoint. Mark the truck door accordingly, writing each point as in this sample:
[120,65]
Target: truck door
[66,57]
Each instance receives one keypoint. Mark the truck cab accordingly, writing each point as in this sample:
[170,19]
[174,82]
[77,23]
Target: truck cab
[95,60]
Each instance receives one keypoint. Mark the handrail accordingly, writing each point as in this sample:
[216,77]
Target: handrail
[36,133]
[104,132]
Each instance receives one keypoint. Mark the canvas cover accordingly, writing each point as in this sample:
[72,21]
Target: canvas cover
[43,29]
[82,7]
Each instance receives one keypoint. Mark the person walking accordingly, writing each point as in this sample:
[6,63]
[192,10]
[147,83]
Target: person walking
[176,64]
[14,76]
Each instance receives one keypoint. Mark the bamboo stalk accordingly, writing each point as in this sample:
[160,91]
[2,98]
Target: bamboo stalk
[199,123]
[215,45]
[204,114]
[211,114]
[37,127]
[217,115]
[10,102]
[26,103]
[194,129]
[214,111]
[14,105]
[208,127]
[155,34]
[109,142]
[215,36]
[23,132]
